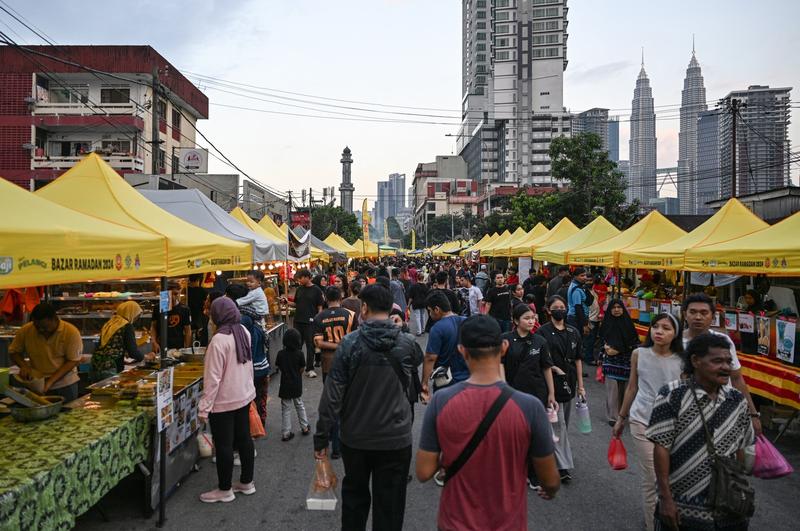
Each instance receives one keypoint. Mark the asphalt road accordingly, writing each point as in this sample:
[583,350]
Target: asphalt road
[597,499]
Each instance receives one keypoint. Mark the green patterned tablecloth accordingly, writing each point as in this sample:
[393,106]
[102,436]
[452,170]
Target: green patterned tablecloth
[54,470]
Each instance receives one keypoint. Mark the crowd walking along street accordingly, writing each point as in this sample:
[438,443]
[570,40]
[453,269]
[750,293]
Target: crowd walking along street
[537,300]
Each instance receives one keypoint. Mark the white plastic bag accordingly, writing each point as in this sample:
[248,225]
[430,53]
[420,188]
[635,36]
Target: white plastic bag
[322,490]
[205,444]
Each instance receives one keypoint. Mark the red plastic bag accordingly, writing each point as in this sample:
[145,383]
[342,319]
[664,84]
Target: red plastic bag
[256,427]
[599,376]
[617,456]
[769,463]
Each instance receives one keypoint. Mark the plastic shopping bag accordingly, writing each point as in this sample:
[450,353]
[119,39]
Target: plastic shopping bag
[205,444]
[256,427]
[769,463]
[322,490]
[599,376]
[617,455]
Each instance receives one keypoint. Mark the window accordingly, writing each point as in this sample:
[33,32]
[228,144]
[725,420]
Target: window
[551,52]
[541,2]
[551,12]
[431,207]
[480,14]
[481,36]
[176,119]
[538,39]
[480,47]
[161,159]
[537,52]
[501,43]
[116,146]
[480,69]
[481,3]
[545,12]
[115,95]
[552,38]
[481,57]
[162,109]
[502,56]
[538,26]
[480,80]
[502,28]
[73,94]
[501,3]
[481,25]
[502,15]
[551,25]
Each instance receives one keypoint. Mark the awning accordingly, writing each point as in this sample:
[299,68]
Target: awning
[595,232]
[733,220]
[519,241]
[561,231]
[368,249]
[267,223]
[653,229]
[340,244]
[44,243]
[94,188]
[193,206]
[772,251]
[492,248]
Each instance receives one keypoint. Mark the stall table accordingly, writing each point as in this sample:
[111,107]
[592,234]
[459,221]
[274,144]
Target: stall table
[55,470]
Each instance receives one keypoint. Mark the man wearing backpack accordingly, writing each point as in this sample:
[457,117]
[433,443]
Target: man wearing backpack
[369,389]
[464,427]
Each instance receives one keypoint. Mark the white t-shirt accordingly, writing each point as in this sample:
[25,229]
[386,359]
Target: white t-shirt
[475,298]
[735,365]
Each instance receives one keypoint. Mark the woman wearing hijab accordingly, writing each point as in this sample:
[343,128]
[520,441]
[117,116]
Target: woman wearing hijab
[619,338]
[227,392]
[117,341]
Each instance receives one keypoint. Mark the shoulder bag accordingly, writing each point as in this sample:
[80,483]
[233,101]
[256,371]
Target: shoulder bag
[730,493]
[480,433]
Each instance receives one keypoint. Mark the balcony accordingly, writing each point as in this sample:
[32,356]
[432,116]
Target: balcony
[82,109]
[124,163]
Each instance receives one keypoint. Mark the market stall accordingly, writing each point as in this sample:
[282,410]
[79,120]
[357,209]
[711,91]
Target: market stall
[595,232]
[492,249]
[339,243]
[561,231]
[519,241]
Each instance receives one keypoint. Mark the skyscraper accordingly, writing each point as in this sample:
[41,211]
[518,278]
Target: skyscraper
[592,121]
[642,153]
[514,57]
[613,139]
[391,198]
[346,188]
[693,101]
[707,170]
[762,140]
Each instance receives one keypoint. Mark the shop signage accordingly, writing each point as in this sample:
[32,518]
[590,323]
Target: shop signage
[6,265]
[192,160]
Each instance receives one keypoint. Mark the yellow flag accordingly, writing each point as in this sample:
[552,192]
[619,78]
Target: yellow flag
[364,221]
[413,240]
[385,232]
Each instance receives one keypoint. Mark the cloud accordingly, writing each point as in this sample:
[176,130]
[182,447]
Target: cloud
[600,71]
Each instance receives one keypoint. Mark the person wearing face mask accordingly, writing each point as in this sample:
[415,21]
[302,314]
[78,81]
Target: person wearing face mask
[564,343]
[653,366]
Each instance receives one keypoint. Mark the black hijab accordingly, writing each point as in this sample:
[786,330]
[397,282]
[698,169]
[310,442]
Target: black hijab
[619,332]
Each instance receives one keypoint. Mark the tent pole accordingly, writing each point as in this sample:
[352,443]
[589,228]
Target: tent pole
[163,327]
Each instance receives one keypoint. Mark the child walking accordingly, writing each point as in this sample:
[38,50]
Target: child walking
[292,362]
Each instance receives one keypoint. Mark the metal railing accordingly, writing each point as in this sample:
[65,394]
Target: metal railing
[83,109]
[121,162]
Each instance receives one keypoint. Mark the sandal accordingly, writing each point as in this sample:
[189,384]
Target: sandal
[306,431]
[288,437]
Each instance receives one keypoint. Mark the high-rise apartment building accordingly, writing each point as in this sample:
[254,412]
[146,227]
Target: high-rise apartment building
[593,121]
[762,140]
[642,152]
[693,101]
[514,56]
[391,198]
[613,139]
[707,169]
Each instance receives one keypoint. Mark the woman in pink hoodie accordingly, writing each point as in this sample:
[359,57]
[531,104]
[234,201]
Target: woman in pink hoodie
[227,393]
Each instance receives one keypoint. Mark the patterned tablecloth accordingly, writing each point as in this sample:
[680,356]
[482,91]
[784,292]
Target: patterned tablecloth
[55,470]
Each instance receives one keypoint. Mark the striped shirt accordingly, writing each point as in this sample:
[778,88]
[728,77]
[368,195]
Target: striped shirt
[676,425]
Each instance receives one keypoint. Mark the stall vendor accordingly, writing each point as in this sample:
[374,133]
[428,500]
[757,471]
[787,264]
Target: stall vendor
[53,348]
[179,329]
[117,342]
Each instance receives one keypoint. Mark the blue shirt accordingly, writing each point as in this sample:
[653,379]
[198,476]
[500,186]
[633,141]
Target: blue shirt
[576,296]
[443,342]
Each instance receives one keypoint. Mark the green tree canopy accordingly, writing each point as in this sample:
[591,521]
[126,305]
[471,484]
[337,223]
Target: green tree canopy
[395,231]
[328,219]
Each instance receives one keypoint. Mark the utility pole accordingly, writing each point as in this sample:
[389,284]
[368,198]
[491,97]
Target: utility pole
[310,205]
[154,141]
[733,106]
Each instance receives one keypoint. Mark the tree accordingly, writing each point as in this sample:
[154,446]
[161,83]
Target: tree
[395,231]
[596,187]
[443,229]
[328,219]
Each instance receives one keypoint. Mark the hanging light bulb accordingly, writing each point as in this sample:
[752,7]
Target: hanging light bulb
[271,267]
[262,267]
[218,273]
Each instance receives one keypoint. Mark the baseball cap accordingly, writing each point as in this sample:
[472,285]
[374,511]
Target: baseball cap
[480,331]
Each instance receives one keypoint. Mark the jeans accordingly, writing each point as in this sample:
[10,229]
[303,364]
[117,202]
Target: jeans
[389,472]
[336,444]
[231,430]
[419,318]
[68,393]
[286,414]
[262,391]
[307,334]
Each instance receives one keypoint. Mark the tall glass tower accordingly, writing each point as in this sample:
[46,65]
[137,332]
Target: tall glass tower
[642,181]
[693,101]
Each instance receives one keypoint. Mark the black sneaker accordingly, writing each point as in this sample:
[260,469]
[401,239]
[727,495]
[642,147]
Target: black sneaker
[566,477]
[288,437]
[534,485]
[336,455]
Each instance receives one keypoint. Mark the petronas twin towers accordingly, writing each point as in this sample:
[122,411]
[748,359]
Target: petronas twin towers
[642,183]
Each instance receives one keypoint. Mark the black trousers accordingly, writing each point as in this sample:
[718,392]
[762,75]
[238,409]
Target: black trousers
[231,430]
[307,334]
[389,472]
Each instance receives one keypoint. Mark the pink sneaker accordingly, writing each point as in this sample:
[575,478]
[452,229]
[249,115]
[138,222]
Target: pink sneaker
[245,488]
[216,495]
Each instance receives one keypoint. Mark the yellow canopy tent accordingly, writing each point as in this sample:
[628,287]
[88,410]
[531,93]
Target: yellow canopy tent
[94,188]
[475,246]
[518,240]
[493,238]
[561,231]
[44,243]
[492,248]
[772,251]
[366,249]
[242,217]
[733,220]
[340,244]
[653,229]
[272,227]
[595,232]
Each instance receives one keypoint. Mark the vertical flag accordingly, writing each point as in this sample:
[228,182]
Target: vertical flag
[413,240]
[364,221]
[386,232]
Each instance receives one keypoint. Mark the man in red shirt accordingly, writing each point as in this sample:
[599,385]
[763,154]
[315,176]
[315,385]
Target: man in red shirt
[490,490]
[512,279]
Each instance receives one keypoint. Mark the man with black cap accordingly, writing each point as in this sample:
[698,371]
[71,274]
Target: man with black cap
[505,430]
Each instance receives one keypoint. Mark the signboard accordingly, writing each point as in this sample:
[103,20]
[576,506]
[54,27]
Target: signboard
[164,412]
[192,160]
[301,218]
[163,301]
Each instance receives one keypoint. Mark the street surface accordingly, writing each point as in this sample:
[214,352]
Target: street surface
[597,499]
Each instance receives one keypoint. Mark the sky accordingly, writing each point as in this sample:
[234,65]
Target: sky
[407,54]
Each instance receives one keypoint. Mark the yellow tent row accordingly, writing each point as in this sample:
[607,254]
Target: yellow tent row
[340,244]
[369,249]
[272,231]
[518,241]
[598,230]
[562,230]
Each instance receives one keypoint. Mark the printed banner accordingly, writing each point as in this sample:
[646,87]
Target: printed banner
[299,248]
[164,399]
[747,323]
[730,321]
[785,340]
[763,335]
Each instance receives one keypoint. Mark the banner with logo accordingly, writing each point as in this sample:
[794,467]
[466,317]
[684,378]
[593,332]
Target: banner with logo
[299,248]
[364,222]
[413,240]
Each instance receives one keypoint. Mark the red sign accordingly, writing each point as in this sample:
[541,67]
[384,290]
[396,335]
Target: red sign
[301,218]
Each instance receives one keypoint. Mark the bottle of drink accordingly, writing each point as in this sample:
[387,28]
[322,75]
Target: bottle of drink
[552,415]
[584,421]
